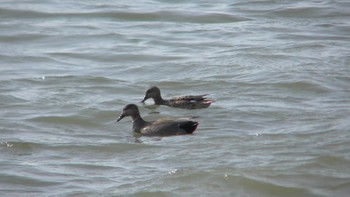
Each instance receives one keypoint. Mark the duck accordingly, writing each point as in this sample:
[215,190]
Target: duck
[160,127]
[184,102]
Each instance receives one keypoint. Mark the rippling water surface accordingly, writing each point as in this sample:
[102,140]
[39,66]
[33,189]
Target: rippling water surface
[278,70]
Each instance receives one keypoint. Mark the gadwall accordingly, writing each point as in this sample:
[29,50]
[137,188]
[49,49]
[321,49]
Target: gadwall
[160,127]
[185,102]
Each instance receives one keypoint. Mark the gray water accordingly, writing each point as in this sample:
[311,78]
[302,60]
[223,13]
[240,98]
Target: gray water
[279,72]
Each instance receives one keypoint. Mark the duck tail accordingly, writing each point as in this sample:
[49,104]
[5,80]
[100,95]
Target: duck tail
[189,126]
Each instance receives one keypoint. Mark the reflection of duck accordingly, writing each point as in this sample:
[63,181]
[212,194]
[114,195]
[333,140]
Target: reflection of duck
[185,102]
[160,127]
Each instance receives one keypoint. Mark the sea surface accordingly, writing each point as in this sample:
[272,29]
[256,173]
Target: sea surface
[279,72]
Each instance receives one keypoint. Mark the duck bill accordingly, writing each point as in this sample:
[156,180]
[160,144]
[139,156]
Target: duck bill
[144,99]
[120,117]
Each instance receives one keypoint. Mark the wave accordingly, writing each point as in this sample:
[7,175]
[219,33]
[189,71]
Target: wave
[163,15]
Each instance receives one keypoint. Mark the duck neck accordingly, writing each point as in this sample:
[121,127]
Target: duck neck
[158,100]
[138,123]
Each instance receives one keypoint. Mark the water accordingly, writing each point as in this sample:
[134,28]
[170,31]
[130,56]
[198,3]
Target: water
[278,70]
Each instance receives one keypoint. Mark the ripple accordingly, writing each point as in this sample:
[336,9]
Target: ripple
[314,10]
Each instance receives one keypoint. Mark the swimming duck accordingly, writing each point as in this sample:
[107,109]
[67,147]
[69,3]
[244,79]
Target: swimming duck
[160,127]
[185,102]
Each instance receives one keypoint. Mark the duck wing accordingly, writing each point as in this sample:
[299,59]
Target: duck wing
[192,98]
[190,102]
[167,127]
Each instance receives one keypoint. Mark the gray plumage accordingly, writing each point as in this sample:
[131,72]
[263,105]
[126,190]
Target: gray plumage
[160,127]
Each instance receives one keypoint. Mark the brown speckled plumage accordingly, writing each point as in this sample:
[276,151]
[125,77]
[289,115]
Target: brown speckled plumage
[185,102]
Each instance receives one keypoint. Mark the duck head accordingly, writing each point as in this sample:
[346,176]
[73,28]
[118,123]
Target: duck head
[129,110]
[153,92]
